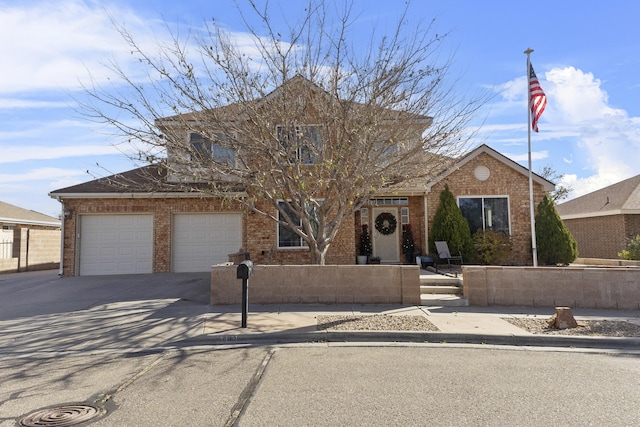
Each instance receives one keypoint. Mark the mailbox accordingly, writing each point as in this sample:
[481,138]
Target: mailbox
[245,268]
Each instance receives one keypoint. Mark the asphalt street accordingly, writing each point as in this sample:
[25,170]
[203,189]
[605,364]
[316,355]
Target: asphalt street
[125,347]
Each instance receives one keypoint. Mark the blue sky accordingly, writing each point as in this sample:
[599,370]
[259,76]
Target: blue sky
[587,58]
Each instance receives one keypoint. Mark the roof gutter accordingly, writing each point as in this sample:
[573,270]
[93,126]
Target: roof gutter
[30,222]
[167,195]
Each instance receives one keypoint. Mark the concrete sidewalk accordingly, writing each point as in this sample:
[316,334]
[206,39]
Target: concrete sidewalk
[475,325]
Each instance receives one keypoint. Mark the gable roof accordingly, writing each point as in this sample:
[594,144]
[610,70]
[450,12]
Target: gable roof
[13,214]
[620,198]
[546,184]
[232,112]
[148,181]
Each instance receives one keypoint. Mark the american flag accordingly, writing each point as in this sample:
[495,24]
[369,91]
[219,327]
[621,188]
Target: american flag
[537,98]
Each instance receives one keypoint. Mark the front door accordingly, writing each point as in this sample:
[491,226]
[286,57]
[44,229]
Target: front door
[386,244]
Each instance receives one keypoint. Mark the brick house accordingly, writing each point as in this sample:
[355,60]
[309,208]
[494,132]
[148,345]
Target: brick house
[601,222]
[110,228]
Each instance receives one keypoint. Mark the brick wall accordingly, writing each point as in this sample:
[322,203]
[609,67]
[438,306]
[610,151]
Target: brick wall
[259,234]
[503,180]
[603,236]
[632,225]
[598,237]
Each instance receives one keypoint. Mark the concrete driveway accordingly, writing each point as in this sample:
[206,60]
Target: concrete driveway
[41,312]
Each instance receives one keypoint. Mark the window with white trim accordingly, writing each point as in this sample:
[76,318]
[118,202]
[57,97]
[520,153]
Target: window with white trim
[219,149]
[304,142]
[287,238]
[364,216]
[404,215]
[486,213]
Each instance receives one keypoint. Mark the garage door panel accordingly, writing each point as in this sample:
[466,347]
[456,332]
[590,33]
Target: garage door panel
[116,244]
[201,240]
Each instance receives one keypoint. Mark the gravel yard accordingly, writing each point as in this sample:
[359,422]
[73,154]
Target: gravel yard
[383,322]
[376,322]
[604,328]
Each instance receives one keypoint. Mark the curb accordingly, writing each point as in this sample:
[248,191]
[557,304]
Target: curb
[554,341]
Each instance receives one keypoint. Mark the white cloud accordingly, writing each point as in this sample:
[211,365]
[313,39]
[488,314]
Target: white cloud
[535,155]
[13,103]
[606,136]
[579,127]
[53,43]
[41,174]
[22,153]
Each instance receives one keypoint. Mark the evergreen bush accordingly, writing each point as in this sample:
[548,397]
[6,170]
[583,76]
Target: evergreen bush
[554,241]
[450,226]
[365,241]
[492,247]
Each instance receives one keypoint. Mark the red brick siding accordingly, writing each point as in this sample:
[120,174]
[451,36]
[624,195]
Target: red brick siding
[632,225]
[259,233]
[598,237]
[503,180]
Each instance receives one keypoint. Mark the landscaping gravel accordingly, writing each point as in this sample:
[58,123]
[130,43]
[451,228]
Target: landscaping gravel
[605,328]
[375,322]
[384,322]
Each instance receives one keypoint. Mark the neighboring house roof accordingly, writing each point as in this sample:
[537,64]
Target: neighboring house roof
[616,199]
[147,181]
[546,184]
[15,215]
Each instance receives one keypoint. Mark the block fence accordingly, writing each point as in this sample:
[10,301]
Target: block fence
[33,249]
[319,284]
[603,288]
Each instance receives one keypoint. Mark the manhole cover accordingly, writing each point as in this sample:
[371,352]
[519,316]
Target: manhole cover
[61,416]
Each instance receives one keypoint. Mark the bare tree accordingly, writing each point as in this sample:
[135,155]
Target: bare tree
[562,191]
[306,119]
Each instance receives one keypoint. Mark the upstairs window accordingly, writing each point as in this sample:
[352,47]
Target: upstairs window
[204,148]
[486,213]
[304,142]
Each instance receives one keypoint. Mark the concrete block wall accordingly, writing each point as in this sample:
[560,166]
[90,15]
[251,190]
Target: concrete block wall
[33,249]
[601,288]
[315,284]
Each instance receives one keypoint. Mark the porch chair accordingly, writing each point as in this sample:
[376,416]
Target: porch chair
[443,253]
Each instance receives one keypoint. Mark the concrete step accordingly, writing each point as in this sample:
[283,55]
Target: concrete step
[443,300]
[439,280]
[440,289]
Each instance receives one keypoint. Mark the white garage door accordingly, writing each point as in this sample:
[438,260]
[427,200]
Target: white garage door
[201,240]
[116,244]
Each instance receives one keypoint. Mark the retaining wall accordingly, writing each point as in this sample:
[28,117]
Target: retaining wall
[603,288]
[319,284]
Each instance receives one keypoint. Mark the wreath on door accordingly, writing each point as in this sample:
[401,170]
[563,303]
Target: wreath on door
[386,223]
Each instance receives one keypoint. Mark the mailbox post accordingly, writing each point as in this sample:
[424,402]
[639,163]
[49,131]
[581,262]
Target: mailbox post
[245,268]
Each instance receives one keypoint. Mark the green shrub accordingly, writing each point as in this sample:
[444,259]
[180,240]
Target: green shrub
[492,247]
[554,241]
[633,249]
[450,226]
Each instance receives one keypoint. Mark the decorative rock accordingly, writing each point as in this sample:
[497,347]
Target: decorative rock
[563,319]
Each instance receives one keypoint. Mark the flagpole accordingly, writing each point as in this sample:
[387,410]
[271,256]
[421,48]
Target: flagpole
[534,249]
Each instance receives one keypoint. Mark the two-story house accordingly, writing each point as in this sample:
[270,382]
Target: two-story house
[159,219]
